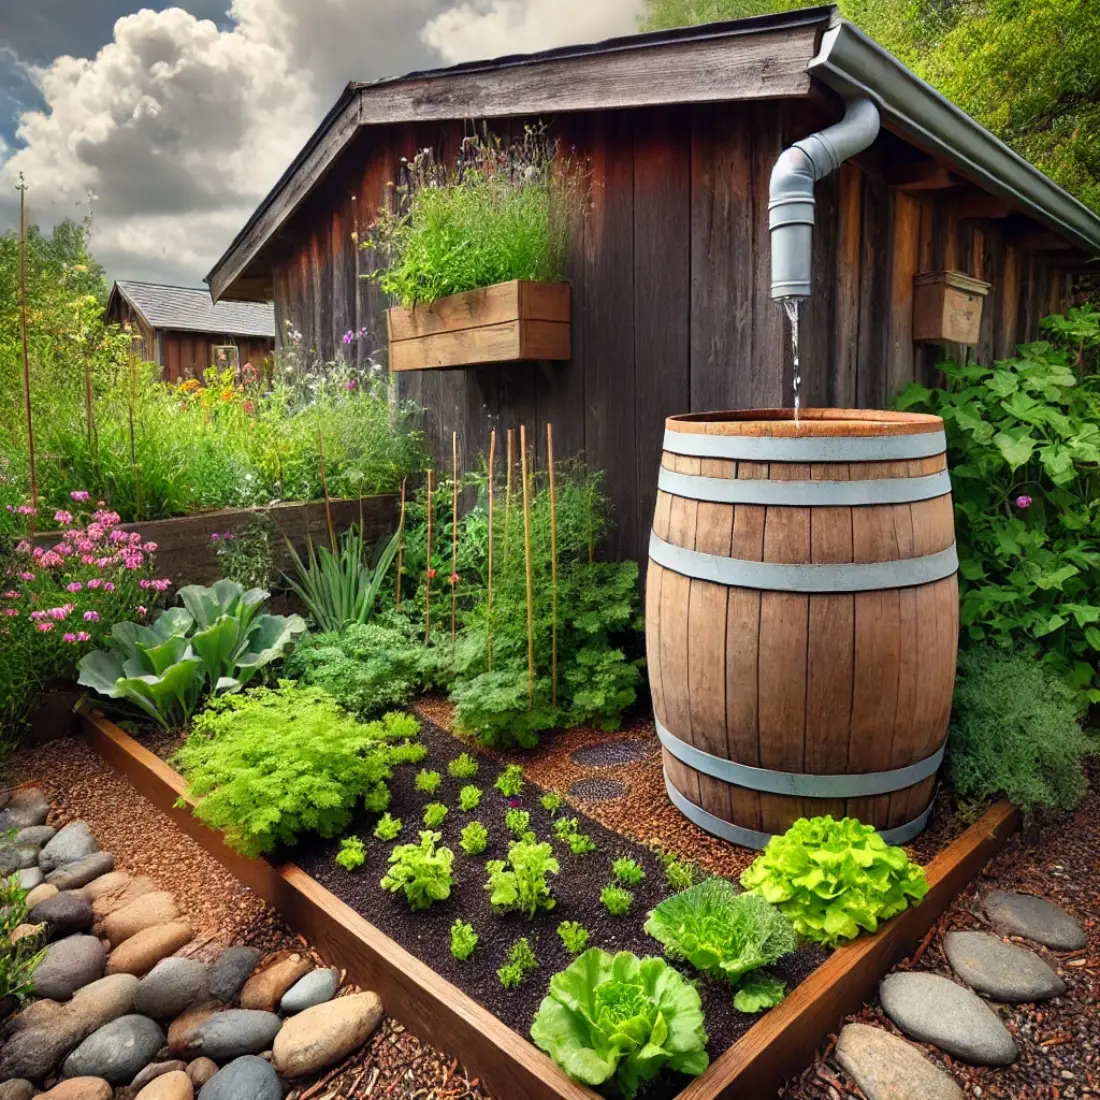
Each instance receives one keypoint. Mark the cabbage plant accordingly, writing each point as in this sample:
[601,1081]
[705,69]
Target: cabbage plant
[621,1019]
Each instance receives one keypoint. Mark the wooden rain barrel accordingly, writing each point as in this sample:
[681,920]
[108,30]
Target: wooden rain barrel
[802,618]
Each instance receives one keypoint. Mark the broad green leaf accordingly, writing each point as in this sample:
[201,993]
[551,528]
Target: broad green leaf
[1016,452]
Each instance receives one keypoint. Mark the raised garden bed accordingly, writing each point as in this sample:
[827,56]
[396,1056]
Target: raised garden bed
[442,1013]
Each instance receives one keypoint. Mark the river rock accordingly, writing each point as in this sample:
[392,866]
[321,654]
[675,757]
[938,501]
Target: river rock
[79,1088]
[201,1070]
[115,890]
[315,988]
[231,970]
[235,1032]
[63,914]
[1034,919]
[17,1089]
[266,987]
[42,892]
[144,912]
[170,987]
[934,1010]
[117,1050]
[245,1078]
[36,835]
[154,1070]
[17,858]
[73,842]
[999,970]
[69,964]
[46,1031]
[30,878]
[71,876]
[888,1068]
[183,1032]
[26,808]
[323,1035]
[140,953]
[171,1086]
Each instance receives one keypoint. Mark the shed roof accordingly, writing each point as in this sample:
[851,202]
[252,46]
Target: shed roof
[190,309]
[773,56]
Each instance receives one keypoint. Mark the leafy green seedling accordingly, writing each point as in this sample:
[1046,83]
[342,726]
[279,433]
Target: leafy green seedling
[462,767]
[551,802]
[469,798]
[758,993]
[517,822]
[520,881]
[463,940]
[510,781]
[434,815]
[388,827]
[579,843]
[411,752]
[428,781]
[616,900]
[679,874]
[421,870]
[627,871]
[565,826]
[521,960]
[573,935]
[474,838]
[352,854]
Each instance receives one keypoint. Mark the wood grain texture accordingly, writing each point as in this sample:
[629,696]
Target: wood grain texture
[517,300]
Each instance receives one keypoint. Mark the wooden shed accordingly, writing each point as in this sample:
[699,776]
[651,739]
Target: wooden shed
[671,295]
[182,331]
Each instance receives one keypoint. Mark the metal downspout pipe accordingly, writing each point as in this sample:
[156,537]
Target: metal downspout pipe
[791,199]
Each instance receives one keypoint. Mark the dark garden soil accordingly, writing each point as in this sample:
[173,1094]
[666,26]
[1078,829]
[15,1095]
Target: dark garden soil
[577,888]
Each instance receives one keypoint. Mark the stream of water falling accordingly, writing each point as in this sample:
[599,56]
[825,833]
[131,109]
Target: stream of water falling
[790,305]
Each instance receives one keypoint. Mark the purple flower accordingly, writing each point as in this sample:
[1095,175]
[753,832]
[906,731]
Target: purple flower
[350,384]
[1023,502]
[95,582]
[227,537]
[80,495]
[63,517]
[349,336]
[91,616]
[108,587]
[214,536]
[26,576]
[75,586]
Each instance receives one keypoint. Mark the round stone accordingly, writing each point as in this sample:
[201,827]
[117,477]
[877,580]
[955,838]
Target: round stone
[597,790]
[17,1089]
[73,842]
[888,1068]
[244,1079]
[170,987]
[183,1031]
[609,754]
[326,1034]
[171,1086]
[71,876]
[266,987]
[155,1070]
[201,1070]
[40,893]
[140,953]
[26,808]
[30,878]
[314,989]
[1035,919]
[999,970]
[63,914]
[17,858]
[117,1051]
[69,964]
[146,911]
[79,1088]
[35,835]
[235,1032]
[114,891]
[230,970]
[934,1010]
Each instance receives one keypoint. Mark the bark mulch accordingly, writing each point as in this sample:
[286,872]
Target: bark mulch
[1057,858]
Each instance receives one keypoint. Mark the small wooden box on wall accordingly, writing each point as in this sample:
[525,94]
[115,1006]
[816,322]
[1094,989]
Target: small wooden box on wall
[947,306]
[500,324]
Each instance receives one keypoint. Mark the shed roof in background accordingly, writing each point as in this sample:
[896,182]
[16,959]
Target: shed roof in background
[766,57]
[190,309]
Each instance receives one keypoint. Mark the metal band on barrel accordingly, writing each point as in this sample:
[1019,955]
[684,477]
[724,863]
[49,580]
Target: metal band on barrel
[750,838]
[809,448]
[804,494]
[850,785]
[776,577]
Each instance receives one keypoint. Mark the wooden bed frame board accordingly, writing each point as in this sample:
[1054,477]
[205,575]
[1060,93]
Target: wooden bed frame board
[507,1064]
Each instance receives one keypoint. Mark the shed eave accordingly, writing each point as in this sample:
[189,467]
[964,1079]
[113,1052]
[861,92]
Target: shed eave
[852,63]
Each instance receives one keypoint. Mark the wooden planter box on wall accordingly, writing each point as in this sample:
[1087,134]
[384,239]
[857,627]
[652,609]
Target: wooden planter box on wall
[947,306]
[500,324]
[772,1050]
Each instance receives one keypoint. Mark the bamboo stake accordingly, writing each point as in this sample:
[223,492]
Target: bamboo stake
[553,566]
[401,543]
[429,570]
[454,539]
[22,189]
[508,496]
[324,488]
[489,621]
[527,566]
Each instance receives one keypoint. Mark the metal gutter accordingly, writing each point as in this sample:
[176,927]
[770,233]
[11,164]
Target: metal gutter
[853,64]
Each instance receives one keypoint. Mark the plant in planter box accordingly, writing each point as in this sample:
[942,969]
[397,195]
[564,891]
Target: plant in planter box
[519,883]
[352,854]
[422,871]
[521,961]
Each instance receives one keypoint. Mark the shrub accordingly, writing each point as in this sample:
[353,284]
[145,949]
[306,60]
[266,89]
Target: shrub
[421,870]
[270,764]
[435,813]
[17,960]
[428,781]
[627,871]
[521,960]
[616,900]
[352,854]
[510,781]
[832,878]
[517,822]
[573,935]
[1015,733]
[621,1019]
[519,883]
[463,940]
[463,766]
[474,838]
[388,827]
[469,798]
[551,802]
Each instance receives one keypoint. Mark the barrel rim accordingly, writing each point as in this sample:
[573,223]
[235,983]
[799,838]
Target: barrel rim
[812,423]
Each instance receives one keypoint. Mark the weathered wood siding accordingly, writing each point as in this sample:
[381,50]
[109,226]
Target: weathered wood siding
[188,354]
[671,311]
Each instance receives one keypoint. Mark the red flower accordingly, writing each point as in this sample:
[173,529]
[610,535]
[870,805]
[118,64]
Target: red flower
[432,574]
[454,578]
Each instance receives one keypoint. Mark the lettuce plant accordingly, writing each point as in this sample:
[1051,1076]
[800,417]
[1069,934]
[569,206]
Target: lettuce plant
[580,843]
[510,781]
[517,822]
[519,883]
[427,781]
[758,992]
[463,939]
[573,935]
[421,870]
[833,878]
[434,815]
[352,854]
[469,797]
[551,802]
[474,838]
[388,827]
[627,871]
[621,1019]
[616,900]
[463,766]
[521,960]
[720,932]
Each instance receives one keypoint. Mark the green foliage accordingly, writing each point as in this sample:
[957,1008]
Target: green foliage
[1023,442]
[217,642]
[270,764]
[421,870]
[580,843]
[720,932]
[679,875]
[352,854]
[411,753]
[428,781]
[435,813]
[469,798]
[616,900]
[463,940]
[551,802]
[758,992]
[519,883]
[463,766]
[388,827]
[517,822]
[621,1020]
[504,212]
[565,827]
[510,781]
[573,935]
[17,960]
[627,871]
[247,555]
[832,878]
[474,838]
[521,961]
[1016,733]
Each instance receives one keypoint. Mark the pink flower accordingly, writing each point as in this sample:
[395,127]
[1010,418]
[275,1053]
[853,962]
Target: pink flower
[63,548]
[23,547]
[70,638]
[83,636]
[214,536]
[80,495]
[87,559]
[454,578]
[350,384]
[27,575]
[63,517]
[27,510]
[227,537]
[118,536]
[95,582]
[37,616]
[143,583]
[85,546]
[134,538]
[43,628]
[10,595]
[108,587]
[1023,502]
[432,574]
[149,547]
[50,560]
[95,531]
[108,519]
[11,612]
[57,613]
[74,586]
[91,616]
[142,611]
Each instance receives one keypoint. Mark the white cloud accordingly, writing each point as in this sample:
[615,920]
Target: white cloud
[181,128]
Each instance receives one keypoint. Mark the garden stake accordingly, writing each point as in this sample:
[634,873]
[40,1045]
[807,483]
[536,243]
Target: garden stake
[401,542]
[508,497]
[324,489]
[133,442]
[22,189]
[454,539]
[527,566]
[429,570]
[553,567]
[489,615]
